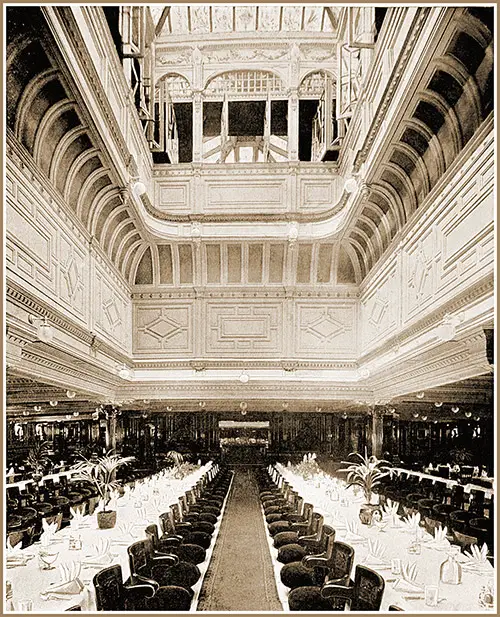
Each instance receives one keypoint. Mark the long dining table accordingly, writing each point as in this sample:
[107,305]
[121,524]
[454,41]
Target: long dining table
[137,508]
[340,508]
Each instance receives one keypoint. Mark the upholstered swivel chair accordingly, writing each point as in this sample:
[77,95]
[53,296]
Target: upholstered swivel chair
[363,594]
[112,595]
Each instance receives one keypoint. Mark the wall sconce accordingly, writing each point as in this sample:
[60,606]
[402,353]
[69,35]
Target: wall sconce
[435,421]
[244,377]
[26,412]
[76,414]
[318,408]
[477,418]
[455,409]
[44,330]
[350,185]
[202,404]
[438,404]
[468,414]
[424,418]
[169,408]
[416,414]
[243,407]
[284,405]
[37,408]
[68,416]
[138,188]
[420,394]
[123,372]
[53,403]
[344,415]
[70,393]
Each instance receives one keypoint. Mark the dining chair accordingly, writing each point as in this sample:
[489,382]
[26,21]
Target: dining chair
[111,594]
[170,598]
[365,594]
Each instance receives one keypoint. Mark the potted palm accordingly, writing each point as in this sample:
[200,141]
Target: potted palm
[38,457]
[101,473]
[365,473]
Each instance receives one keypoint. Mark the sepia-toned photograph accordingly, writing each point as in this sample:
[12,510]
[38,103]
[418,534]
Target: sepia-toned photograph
[249,303]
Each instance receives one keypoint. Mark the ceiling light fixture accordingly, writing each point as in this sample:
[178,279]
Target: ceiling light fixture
[70,393]
[44,330]
[124,372]
[350,185]
[244,377]
[53,403]
[138,188]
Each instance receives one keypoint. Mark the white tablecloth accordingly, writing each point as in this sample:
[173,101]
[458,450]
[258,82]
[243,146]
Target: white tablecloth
[453,598]
[141,507]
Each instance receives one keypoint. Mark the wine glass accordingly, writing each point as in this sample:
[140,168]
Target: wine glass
[47,558]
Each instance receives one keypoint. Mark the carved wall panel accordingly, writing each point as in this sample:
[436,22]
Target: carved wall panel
[326,329]
[317,194]
[246,195]
[47,259]
[173,196]
[249,328]
[112,314]
[165,327]
[380,308]
[449,249]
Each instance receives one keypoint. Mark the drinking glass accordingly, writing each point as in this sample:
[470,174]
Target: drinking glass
[47,558]
[25,606]
[396,566]
[431,595]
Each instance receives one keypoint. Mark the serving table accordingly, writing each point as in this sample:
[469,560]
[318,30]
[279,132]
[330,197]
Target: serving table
[338,512]
[139,507]
[467,487]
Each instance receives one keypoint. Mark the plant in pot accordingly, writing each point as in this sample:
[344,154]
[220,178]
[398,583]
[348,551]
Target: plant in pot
[101,473]
[365,473]
[38,458]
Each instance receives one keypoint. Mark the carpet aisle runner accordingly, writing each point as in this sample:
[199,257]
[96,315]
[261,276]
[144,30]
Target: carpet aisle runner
[240,576]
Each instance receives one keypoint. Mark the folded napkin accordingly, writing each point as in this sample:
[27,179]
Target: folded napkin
[412,522]
[77,516]
[69,583]
[390,509]
[100,554]
[351,534]
[16,556]
[439,541]
[476,560]
[49,530]
[407,582]
[376,555]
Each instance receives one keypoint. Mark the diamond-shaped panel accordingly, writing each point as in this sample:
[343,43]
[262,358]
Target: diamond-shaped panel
[378,310]
[325,327]
[112,312]
[71,276]
[163,327]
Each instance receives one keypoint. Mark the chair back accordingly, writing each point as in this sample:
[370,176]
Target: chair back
[329,540]
[316,528]
[108,584]
[368,590]
[138,555]
[308,512]
[176,512]
[342,560]
[152,533]
[443,471]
